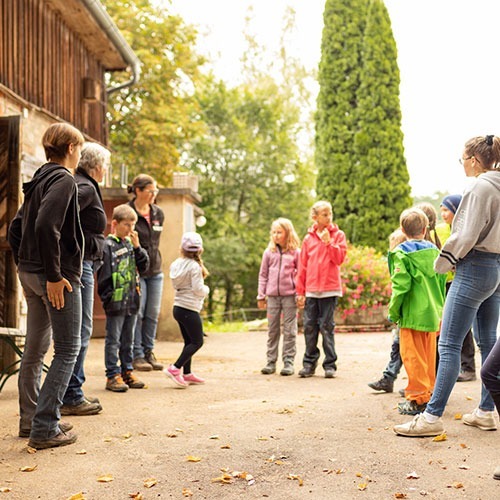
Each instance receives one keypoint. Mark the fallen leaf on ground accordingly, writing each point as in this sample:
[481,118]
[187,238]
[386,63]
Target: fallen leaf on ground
[215,436]
[150,482]
[191,458]
[186,492]
[362,486]
[107,439]
[358,474]
[463,445]
[468,398]
[458,416]
[30,450]
[464,467]
[441,437]
[127,435]
[77,496]
[458,485]
[4,489]
[28,468]
[225,447]
[285,411]
[171,435]
[224,479]
[296,478]
[107,478]
[400,495]
[81,452]
[412,475]
[136,496]
[262,438]
[339,471]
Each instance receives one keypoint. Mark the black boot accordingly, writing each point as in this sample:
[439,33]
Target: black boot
[384,384]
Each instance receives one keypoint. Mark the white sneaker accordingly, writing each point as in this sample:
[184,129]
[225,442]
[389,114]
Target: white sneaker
[487,423]
[419,427]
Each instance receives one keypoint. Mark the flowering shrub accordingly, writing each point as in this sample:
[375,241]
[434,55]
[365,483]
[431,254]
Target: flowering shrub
[366,283]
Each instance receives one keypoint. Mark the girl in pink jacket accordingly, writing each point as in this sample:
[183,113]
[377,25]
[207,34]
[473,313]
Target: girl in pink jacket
[277,292]
[319,285]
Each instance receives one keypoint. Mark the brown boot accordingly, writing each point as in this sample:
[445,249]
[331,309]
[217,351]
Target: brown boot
[141,365]
[131,380]
[116,384]
[151,359]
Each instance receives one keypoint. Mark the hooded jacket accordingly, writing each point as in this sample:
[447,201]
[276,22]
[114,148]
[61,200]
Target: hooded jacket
[418,292]
[118,278]
[45,235]
[92,215]
[277,273]
[149,236]
[187,279]
[319,263]
[476,224]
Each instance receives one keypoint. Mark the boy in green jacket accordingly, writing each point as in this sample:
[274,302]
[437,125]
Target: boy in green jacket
[416,305]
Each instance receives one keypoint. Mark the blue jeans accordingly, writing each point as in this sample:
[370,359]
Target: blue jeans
[474,297]
[147,319]
[119,344]
[395,362]
[74,392]
[318,317]
[65,325]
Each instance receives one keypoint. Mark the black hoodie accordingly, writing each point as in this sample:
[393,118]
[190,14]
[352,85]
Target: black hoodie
[45,235]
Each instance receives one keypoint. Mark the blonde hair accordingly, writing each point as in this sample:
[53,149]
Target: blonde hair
[196,256]
[396,238]
[124,212]
[413,222]
[320,205]
[292,241]
[431,213]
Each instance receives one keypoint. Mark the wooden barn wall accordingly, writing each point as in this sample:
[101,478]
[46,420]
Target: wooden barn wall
[44,62]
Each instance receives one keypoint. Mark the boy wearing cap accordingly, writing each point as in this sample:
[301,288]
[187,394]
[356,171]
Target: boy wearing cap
[449,207]
[187,274]
[119,290]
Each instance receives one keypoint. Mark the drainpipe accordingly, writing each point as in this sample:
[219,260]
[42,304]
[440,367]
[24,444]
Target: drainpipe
[108,26]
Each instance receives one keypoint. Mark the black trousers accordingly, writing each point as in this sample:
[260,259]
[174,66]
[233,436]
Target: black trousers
[192,332]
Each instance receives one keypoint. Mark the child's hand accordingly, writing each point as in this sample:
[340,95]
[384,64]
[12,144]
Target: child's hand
[301,301]
[325,236]
[134,238]
[261,303]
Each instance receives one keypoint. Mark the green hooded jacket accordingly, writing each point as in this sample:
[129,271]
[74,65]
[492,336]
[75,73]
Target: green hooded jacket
[418,292]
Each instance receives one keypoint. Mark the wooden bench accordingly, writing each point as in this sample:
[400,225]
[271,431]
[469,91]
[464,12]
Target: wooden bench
[11,348]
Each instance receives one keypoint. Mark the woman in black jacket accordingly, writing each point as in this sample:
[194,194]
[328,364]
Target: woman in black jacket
[90,172]
[149,226]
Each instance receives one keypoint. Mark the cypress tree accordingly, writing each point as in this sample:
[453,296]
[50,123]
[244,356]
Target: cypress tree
[359,143]
[381,189]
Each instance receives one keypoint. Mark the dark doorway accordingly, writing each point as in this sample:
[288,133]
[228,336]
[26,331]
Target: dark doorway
[9,203]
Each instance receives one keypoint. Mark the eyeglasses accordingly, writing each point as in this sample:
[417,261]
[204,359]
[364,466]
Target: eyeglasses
[152,191]
[462,160]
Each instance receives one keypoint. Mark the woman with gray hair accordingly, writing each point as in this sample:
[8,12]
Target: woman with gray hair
[90,172]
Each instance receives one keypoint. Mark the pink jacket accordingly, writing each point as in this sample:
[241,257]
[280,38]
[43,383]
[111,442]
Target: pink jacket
[277,273]
[319,265]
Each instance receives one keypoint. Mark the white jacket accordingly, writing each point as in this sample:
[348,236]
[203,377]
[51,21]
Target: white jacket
[187,278]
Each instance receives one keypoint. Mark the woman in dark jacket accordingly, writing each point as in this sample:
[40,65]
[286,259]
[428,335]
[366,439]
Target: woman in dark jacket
[149,226]
[90,172]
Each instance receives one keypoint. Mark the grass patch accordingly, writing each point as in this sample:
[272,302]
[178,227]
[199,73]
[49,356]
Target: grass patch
[225,327]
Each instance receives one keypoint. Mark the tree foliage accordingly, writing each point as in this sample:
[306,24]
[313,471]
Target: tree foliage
[360,154]
[152,119]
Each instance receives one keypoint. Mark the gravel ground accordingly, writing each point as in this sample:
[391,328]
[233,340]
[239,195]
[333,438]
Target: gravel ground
[243,434]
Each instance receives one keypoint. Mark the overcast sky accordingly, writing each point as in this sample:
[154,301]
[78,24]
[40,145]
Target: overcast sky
[448,53]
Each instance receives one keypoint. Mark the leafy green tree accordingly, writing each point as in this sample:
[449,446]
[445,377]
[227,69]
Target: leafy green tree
[150,121]
[381,190]
[250,173]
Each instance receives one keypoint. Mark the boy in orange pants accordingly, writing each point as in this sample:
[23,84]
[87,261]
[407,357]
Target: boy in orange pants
[417,300]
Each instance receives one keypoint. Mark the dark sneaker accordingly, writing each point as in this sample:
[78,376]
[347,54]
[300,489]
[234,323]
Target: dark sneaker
[269,369]
[384,384]
[307,371]
[116,384]
[411,408]
[287,370]
[132,381]
[141,365]
[83,408]
[61,439]
[151,359]
[466,377]
[330,373]
[64,426]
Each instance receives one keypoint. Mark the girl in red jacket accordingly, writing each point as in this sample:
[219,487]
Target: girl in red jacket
[277,275]
[318,286]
